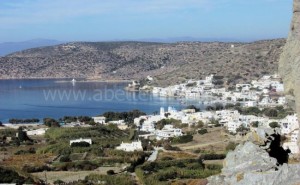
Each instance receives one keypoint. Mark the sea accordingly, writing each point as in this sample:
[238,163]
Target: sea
[56,98]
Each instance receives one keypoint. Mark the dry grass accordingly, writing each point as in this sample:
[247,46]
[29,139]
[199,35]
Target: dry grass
[177,155]
[68,176]
[18,161]
[214,141]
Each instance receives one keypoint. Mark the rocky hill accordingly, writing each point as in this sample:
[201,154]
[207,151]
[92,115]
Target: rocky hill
[168,63]
[289,65]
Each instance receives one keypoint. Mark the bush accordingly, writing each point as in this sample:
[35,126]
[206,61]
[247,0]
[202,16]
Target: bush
[182,139]
[170,147]
[274,125]
[231,146]
[110,172]
[212,156]
[200,124]
[65,158]
[80,144]
[202,131]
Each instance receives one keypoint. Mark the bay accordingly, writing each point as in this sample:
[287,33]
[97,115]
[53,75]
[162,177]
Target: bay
[57,98]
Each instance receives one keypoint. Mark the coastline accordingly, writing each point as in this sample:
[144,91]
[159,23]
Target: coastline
[63,80]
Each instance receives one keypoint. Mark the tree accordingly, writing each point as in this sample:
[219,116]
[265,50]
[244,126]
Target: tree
[200,124]
[80,144]
[58,182]
[271,112]
[193,107]
[242,128]
[202,131]
[255,124]
[231,146]
[65,158]
[50,122]
[110,172]
[22,135]
[274,124]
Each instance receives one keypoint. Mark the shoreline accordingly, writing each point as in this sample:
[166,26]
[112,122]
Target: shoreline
[63,80]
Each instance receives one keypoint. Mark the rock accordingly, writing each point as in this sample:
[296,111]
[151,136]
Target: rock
[249,164]
[247,158]
[289,64]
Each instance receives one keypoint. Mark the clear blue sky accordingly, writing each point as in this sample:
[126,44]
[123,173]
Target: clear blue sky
[98,20]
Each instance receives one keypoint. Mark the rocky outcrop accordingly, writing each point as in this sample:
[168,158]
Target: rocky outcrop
[289,65]
[249,164]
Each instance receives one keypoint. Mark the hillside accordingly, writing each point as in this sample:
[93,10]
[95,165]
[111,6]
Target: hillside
[168,63]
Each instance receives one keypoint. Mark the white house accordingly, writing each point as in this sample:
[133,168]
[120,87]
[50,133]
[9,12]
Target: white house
[289,124]
[130,147]
[294,136]
[292,145]
[81,140]
[233,125]
[37,132]
[99,119]
[167,132]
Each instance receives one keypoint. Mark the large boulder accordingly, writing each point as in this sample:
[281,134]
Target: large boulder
[249,164]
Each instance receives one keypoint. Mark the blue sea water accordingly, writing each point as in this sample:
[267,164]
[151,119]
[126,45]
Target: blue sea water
[57,98]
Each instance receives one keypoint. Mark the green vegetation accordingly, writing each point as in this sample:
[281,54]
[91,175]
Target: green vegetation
[18,121]
[102,137]
[255,124]
[182,139]
[212,156]
[202,131]
[160,124]
[163,171]
[51,122]
[10,176]
[109,179]
[231,146]
[80,144]
[126,116]
[274,125]
[82,119]
[193,107]
[242,128]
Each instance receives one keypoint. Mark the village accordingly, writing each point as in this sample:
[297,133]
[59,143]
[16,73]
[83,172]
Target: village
[228,117]
[225,110]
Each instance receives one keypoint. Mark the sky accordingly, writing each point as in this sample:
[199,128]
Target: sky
[109,20]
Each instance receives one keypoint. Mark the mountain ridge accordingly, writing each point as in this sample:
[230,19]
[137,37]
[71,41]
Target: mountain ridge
[169,63]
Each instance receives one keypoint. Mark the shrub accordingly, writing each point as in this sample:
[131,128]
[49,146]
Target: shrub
[274,125]
[182,139]
[202,131]
[231,146]
[110,172]
[65,158]
[212,156]
[169,147]
[80,144]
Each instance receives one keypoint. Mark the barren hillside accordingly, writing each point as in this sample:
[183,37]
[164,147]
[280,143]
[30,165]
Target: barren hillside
[168,63]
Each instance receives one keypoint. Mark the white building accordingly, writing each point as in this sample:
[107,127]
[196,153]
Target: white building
[233,125]
[37,132]
[99,119]
[81,140]
[130,147]
[289,124]
[167,132]
[293,145]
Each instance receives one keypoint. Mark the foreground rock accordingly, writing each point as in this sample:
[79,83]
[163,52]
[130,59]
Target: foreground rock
[289,65]
[249,164]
